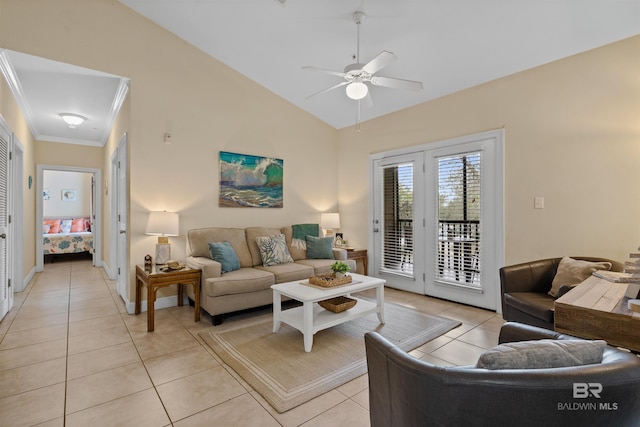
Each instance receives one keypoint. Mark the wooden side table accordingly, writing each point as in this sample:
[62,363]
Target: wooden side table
[359,254]
[156,278]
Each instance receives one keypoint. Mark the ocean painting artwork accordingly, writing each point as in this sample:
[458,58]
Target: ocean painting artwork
[250,181]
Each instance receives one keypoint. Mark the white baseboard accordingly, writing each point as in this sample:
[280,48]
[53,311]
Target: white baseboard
[164,302]
[27,280]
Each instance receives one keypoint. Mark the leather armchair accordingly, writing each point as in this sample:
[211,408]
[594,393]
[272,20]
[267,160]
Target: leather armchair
[405,391]
[524,290]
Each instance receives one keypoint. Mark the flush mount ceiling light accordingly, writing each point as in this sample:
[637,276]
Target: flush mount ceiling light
[72,120]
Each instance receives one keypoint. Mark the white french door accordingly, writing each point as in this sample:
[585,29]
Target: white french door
[397,221]
[437,219]
[119,217]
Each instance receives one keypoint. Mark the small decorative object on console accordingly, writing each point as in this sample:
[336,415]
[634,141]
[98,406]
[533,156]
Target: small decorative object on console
[148,262]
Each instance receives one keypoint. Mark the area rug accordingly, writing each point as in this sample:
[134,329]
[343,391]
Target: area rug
[278,368]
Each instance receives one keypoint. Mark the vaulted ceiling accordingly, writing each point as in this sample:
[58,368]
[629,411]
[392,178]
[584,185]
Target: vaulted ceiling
[447,45]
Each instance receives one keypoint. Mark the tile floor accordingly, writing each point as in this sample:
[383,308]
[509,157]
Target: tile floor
[70,355]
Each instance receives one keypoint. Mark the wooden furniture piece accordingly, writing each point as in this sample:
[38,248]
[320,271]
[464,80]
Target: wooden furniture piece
[311,318]
[598,309]
[156,278]
[359,255]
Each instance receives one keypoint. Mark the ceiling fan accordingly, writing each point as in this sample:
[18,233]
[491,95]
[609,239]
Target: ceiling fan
[358,75]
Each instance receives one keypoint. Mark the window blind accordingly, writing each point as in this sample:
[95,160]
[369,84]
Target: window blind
[459,210]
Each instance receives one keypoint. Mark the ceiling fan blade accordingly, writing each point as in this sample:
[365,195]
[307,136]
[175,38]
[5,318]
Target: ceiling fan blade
[327,89]
[383,59]
[396,83]
[322,70]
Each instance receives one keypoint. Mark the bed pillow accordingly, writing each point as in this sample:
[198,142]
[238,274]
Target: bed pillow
[78,225]
[65,226]
[46,228]
[574,271]
[319,247]
[273,250]
[223,253]
[54,225]
[542,354]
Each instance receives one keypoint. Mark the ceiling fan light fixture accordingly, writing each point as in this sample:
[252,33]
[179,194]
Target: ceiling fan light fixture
[72,120]
[357,90]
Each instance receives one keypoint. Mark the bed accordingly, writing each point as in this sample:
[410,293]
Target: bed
[66,236]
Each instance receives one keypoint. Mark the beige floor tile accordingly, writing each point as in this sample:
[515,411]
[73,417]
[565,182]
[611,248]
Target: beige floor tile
[459,353]
[92,390]
[495,323]
[141,409]
[347,413]
[471,315]
[172,366]
[434,344]
[37,375]
[38,322]
[240,411]
[99,339]
[430,358]
[32,354]
[92,313]
[362,399]
[28,312]
[92,304]
[355,386]
[33,407]
[103,359]
[481,337]
[189,395]
[33,336]
[162,341]
[84,327]
[300,414]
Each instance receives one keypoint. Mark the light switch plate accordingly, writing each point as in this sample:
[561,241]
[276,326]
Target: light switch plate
[538,202]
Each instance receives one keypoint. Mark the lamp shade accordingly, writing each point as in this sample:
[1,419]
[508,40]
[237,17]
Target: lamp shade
[163,223]
[330,220]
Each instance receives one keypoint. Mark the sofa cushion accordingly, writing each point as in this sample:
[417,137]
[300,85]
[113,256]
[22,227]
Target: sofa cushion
[323,266]
[533,303]
[542,354]
[319,247]
[273,250]
[252,233]
[239,281]
[288,272]
[223,253]
[198,242]
[574,271]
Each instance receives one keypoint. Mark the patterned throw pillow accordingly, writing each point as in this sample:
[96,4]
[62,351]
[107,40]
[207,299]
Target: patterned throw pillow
[273,250]
[65,226]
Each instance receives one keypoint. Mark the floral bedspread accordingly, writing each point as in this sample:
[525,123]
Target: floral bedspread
[67,243]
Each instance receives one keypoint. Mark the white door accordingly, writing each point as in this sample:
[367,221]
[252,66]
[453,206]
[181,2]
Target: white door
[398,215]
[121,198]
[437,217]
[6,292]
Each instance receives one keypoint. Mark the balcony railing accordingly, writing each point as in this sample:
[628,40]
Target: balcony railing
[458,251]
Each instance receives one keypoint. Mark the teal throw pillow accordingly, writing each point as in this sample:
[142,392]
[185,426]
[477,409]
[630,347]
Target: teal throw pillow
[319,247]
[223,253]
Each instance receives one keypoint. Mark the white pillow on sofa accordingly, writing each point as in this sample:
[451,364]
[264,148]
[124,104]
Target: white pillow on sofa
[574,271]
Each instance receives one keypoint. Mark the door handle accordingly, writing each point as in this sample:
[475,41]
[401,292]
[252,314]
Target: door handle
[3,236]
[375,230]
[123,231]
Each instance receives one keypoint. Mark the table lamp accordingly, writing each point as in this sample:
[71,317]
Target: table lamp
[330,221]
[163,224]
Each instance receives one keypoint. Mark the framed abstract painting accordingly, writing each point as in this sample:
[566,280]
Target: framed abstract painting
[248,181]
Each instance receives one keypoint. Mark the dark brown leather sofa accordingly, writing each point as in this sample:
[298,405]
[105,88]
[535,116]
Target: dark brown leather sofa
[405,391]
[524,290]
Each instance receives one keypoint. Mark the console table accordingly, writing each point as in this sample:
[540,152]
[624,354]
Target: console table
[597,309]
[156,278]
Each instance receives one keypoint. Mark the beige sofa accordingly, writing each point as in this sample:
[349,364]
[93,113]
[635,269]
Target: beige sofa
[250,286]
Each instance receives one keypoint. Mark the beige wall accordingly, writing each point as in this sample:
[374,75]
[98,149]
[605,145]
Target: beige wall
[205,105]
[572,135]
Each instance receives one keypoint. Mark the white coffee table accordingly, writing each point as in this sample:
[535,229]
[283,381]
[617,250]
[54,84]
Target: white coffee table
[311,318]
